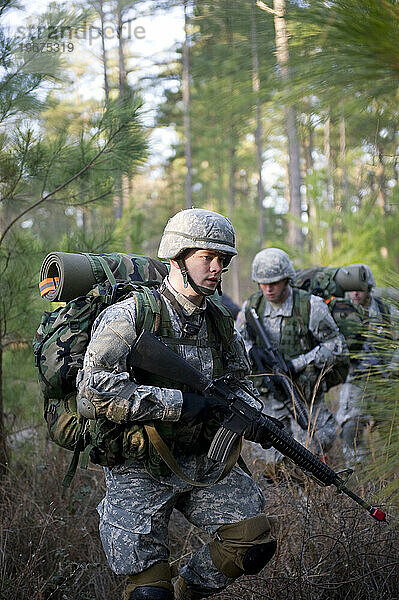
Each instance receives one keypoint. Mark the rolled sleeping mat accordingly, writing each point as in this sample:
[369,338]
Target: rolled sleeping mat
[352,278]
[66,275]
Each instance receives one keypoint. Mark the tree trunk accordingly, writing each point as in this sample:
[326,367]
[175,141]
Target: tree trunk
[258,128]
[103,51]
[121,54]
[3,439]
[330,192]
[295,237]
[231,206]
[295,229]
[186,109]
[119,199]
[381,182]
[313,223]
[342,154]
[232,168]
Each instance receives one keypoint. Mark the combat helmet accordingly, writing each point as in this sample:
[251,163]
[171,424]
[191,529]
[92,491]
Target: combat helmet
[271,265]
[369,274]
[201,229]
[197,228]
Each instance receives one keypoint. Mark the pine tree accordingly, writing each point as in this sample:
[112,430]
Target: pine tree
[40,169]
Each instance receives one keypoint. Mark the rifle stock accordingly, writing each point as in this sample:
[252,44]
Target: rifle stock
[152,355]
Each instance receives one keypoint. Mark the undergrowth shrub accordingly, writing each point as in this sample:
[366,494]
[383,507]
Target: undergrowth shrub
[328,547]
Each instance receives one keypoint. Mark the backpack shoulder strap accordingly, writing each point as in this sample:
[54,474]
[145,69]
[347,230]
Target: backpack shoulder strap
[301,310]
[148,308]
[301,307]
[384,310]
[255,300]
[223,322]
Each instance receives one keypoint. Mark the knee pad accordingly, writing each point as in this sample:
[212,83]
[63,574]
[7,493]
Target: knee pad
[152,584]
[244,547]
[147,592]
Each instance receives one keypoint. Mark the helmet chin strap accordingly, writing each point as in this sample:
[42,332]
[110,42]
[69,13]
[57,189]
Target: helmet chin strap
[187,279]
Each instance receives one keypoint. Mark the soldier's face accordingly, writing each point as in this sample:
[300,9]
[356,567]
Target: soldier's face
[205,267]
[359,297]
[275,292]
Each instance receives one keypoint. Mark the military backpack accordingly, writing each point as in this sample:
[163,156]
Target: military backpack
[320,281]
[59,347]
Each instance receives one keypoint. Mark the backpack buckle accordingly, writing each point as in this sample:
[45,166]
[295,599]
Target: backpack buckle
[191,329]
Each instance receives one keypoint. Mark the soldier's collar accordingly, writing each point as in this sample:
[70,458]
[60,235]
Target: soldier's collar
[280,310]
[373,310]
[188,307]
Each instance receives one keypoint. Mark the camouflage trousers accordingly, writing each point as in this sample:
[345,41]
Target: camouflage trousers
[354,421]
[135,513]
[318,438]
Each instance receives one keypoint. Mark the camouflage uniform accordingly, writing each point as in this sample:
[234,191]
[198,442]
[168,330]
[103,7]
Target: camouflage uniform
[327,347]
[354,396]
[135,511]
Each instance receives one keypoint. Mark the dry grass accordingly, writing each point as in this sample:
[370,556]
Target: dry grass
[329,548]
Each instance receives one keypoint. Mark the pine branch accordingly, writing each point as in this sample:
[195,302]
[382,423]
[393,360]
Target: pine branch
[61,186]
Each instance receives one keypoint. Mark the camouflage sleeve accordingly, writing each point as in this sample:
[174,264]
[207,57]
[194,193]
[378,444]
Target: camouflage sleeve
[238,364]
[241,327]
[393,366]
[394,318]
[105,381]
[331,347]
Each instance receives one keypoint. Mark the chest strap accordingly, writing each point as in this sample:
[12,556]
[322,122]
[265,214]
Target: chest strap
[190,342]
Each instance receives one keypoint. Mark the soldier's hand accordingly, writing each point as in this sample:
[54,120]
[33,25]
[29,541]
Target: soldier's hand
[297,364]
[198,409]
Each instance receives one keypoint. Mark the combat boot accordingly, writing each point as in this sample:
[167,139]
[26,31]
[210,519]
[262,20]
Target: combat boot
[149,592]
[182,592]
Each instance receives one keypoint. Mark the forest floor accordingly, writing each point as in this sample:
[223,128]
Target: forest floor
[328,546]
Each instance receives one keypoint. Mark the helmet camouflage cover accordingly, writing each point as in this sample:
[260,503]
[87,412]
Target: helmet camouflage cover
[197,228]
[271,265]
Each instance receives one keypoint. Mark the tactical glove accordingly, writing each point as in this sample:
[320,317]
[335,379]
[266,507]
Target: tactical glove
[257,432]
[297,364]
[199,409]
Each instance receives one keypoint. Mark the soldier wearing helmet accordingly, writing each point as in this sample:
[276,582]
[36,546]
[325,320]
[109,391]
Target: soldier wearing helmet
[301,327]
[142,491]
[380,320]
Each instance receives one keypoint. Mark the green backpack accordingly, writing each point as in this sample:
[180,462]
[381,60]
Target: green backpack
[59,347]
[320,281]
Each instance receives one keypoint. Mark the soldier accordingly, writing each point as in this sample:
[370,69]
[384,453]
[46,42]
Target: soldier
[380,320]
[301,327]
[141,493]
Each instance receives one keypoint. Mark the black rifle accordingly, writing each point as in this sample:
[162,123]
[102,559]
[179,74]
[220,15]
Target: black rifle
[151,355]
[272,359]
